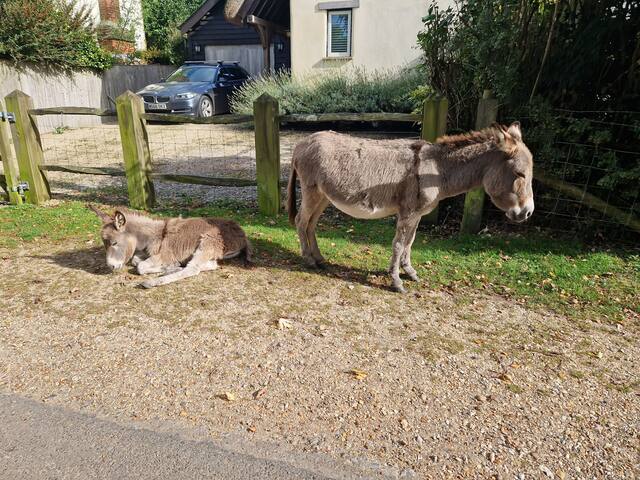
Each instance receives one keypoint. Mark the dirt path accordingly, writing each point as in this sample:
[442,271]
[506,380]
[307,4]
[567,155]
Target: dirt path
[465,386]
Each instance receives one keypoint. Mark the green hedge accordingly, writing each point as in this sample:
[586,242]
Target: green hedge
[355,91]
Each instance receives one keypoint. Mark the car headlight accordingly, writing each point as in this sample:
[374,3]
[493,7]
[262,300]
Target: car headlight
[185,96]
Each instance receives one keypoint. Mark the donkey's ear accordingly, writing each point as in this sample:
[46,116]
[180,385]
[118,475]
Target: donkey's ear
[119,220]
[515,131]
[103,216]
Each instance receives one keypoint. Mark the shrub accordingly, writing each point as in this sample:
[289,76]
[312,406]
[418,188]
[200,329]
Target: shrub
[54,33]
[355,91]
[115,31]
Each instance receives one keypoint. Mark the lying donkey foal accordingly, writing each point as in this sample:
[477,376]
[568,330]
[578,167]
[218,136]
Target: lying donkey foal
[176,247]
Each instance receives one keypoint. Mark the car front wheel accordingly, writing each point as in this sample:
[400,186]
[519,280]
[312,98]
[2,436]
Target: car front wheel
[205,107]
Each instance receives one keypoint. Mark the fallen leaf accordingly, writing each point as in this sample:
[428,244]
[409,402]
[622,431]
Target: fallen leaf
[505,378]
[358,374]
[228,396]
[251,429]
[284,324]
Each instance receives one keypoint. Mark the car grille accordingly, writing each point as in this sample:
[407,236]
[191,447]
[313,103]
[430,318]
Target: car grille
[149,99]
[163,99]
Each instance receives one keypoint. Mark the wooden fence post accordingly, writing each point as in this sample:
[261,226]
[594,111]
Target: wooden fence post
[28,147]
[267,130]
[9,162]
[135,149]
[434,125]
[474,200]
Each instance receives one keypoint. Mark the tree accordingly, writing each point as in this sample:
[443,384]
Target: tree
[161,20]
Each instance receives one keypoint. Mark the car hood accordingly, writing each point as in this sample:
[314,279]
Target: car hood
[173,88]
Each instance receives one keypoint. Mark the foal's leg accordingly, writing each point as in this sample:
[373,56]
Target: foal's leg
[152,264]
[405,230]
[311,201]
[200,262]
[405,259]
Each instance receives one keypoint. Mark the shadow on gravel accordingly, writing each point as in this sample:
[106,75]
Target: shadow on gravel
[272,255]
[90,260]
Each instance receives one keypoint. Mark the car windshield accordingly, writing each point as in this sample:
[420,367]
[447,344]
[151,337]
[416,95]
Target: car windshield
[193,74]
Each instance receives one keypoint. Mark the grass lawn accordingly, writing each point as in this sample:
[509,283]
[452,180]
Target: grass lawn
[539,271]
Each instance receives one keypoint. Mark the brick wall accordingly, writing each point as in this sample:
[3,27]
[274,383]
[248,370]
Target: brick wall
[109,10]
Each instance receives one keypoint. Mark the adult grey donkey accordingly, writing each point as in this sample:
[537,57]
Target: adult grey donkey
[376,178]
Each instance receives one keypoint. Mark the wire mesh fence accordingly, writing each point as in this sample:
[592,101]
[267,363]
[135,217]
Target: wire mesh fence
[220,153]
[69,151]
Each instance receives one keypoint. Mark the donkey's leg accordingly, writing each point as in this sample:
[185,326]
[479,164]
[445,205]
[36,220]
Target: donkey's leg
[200,262]
[311,200]
[405,229]
[311,232]
[405,259]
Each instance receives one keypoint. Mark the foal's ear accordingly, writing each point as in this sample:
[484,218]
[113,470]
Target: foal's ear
[119,220]
[103,216]
[515,131]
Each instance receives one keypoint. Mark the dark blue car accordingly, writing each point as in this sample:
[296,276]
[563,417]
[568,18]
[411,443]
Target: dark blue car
[196,88]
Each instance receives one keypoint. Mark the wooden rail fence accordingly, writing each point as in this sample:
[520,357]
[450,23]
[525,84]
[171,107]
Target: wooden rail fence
[136,153]
[24,169]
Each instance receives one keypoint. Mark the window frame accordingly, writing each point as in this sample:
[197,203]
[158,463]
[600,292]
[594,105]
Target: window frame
[349,13]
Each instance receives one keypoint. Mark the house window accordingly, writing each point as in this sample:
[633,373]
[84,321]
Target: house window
[339,33]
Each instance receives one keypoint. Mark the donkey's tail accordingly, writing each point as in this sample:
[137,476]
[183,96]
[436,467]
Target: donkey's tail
[291,194]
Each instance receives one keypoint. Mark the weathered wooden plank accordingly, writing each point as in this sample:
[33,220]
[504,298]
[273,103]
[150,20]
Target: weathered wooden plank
[113,172]
[218,119]
[474,200]
[72,111]
[28,147]
[351,117]
[9,162]
[166,177]
[135,149]
[199,180]
[267,134]
[588,199]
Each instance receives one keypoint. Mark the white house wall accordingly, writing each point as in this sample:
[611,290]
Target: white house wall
[384,34]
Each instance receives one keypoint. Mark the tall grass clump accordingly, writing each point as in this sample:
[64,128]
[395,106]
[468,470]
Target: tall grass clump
[356,91]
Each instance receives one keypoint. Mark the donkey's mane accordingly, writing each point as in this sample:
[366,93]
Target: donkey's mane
[495,133]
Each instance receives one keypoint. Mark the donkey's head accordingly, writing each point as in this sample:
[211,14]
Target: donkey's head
[508,180]
[119,243]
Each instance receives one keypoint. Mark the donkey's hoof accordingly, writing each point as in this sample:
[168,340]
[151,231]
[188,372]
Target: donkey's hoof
[413,276]
[399,288]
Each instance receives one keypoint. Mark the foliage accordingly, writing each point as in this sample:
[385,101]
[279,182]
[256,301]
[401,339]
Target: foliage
[115,31]
[536,270]
[162,19]
[592,59]
[357,91]
[53,33]
[581,58]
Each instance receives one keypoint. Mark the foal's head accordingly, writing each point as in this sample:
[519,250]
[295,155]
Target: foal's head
[119,243]
[508,180]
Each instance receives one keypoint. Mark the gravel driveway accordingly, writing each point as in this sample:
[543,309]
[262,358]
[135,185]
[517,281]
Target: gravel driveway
[427,385]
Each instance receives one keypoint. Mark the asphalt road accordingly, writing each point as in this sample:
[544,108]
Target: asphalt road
[41,441]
